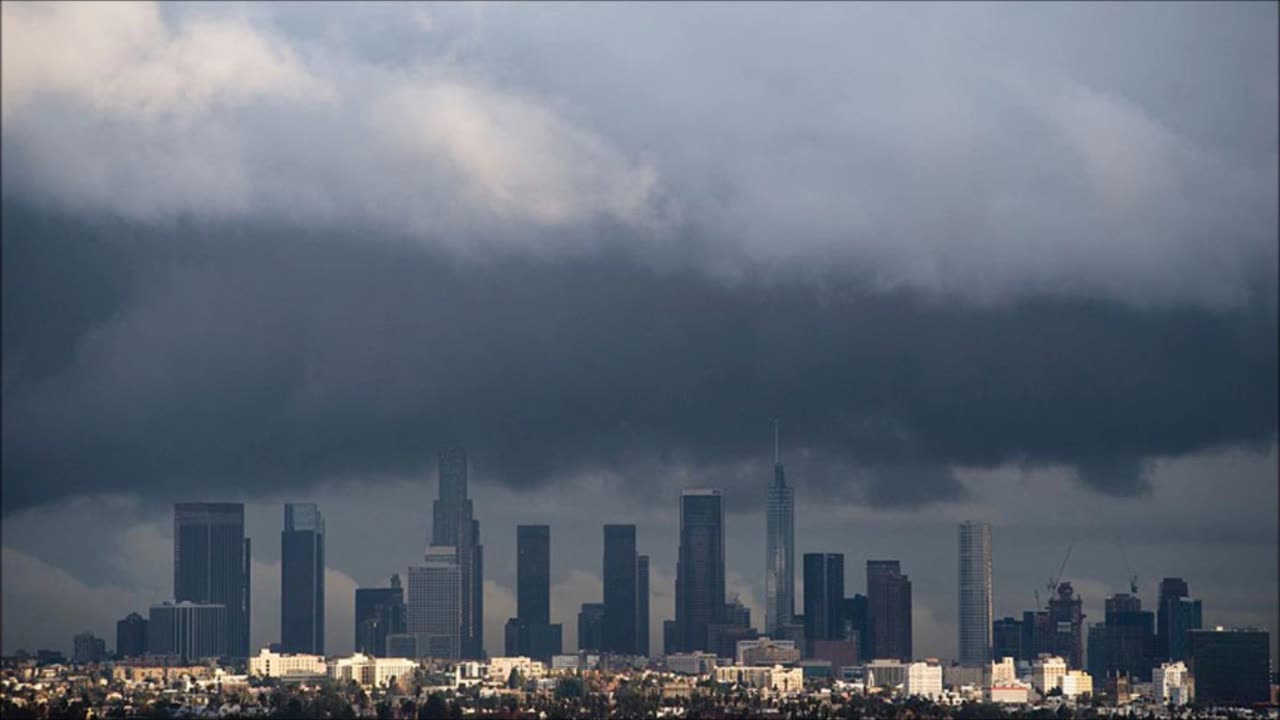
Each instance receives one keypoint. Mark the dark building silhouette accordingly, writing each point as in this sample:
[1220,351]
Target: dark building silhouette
[699,569]
[531,633]
[1176,615]
[1038,634]
[1066,613]
[131,636]
[620,591]
[454,525]
[823,596]
[1006,639]
[89,648]
[854,621]
[211,565]
[1231,667]
[302,580]
[591,626]
[1125,643]
[380,612]
[533,573]
[642,605]
[888,611]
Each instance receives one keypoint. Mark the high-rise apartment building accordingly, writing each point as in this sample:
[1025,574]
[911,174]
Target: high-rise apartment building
[211,566]
[302,580]
[454,525]
[780,541]
[888,611]
[435,603]
[380,613]
[699,568]
[620,591]
[975,594]
[823,597]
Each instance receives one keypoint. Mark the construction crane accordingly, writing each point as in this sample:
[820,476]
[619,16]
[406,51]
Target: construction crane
[1053,581]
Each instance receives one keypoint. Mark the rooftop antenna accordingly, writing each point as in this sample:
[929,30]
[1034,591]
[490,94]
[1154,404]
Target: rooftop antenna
[775,441]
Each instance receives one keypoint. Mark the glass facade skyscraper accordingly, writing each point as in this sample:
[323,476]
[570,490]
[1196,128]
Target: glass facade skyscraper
[302,580]
[780,542]
[699,568]
[454,525]
[975,594]
[211,566]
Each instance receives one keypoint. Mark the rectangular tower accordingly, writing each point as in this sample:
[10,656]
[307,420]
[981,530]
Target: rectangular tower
[699,568]
[211,565]
[620,606]
[975,594]
[302,580]
[888,611]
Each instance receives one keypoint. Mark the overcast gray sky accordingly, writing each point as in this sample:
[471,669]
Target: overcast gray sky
[1004,261]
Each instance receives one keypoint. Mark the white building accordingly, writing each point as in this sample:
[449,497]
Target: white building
[500,668]
[1047,672]
[924,680]
[695,663]
[1003,672]
[434,607]
[1171,684]
[1076,683]
[1009,692]
[270,664]
[786,680]
[372,671]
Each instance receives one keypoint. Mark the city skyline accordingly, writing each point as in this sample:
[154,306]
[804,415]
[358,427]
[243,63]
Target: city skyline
[1005,263]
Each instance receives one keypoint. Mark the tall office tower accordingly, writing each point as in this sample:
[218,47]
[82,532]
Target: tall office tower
[591,626]
[699,568]
[531,633]
[131,636]
[780,542]
[1231,667]
[453,525]
[620,606]
[854,620]
[302,580]
[1066,614]
[975,594]
[1125,643]
[380,612]
[888,611]
[211,565]
[642,605]
[435,603]
[823,596]
[1006,639]
[191,631]
[1176,615]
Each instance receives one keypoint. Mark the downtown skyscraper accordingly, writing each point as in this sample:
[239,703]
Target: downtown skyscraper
[975,594]
[302,580]
[454,525]
[699,569]
[211,566]
[780,543]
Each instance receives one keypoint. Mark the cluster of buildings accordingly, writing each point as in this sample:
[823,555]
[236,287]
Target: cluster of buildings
[860,637]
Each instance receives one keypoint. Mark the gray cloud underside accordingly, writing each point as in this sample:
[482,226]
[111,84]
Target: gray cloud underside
[260,358]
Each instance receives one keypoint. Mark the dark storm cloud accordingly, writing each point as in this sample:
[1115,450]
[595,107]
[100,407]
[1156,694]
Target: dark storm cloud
[257,358]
